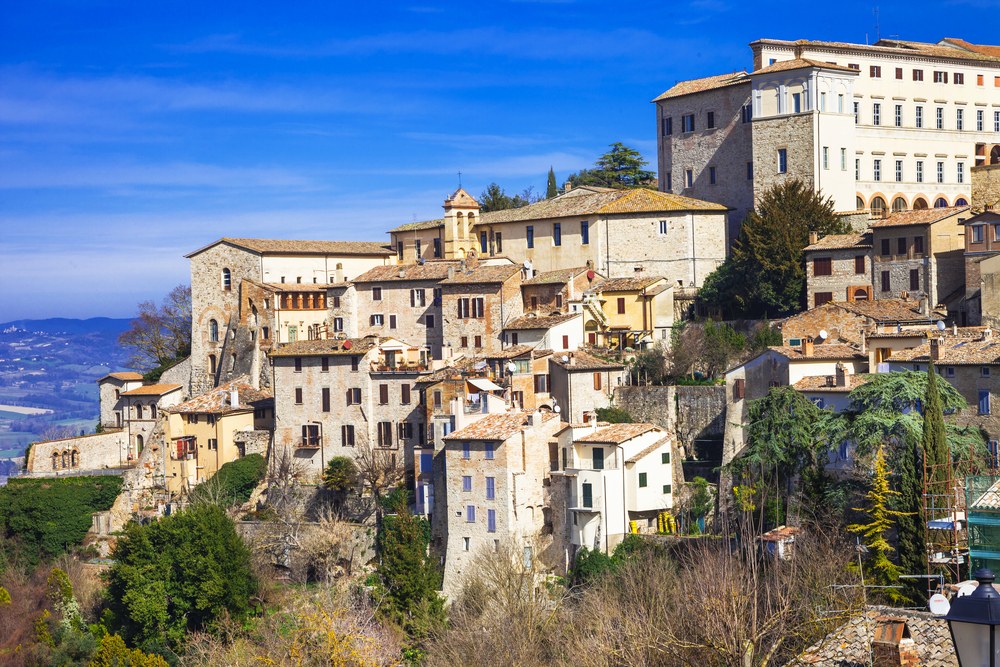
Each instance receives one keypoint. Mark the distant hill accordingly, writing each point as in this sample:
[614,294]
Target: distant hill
[101,325]
[53,364]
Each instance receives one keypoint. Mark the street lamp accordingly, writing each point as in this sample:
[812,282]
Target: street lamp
[973,621]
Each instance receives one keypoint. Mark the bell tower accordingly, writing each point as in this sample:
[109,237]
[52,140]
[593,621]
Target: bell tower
[461,213]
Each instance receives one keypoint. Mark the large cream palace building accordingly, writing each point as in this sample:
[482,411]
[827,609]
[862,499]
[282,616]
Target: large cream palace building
[891,126]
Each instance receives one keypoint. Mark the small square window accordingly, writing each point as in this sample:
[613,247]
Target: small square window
[642,480]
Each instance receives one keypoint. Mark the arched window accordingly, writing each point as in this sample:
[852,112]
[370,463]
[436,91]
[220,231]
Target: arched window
[940,202]
[213,331]
[211,364]
[138,411]
[898,204]
[919,203]
[860,294]
[878,207]
[995,155]
[961,202]
[65,459]
[74,458]
[859,202]
[55,460]
[227,279]
[152,410]
[139,444]
[232,363]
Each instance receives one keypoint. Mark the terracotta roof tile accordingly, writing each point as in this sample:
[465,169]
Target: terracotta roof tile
[639,200]
[484,273]
[557,277]
[887,310]
[327,347]
[528,322]
[829,351]
[705,83]
[984,49]
[497,427]
[850,644]
[954,352]
[801,63]
[290,247]
[125,376]
[885,46]
[821,383]
[512,352]
[923,216]
[638,456]
[418,226]
[300,287]
[616,434]
[842,242]
[216,401]
[625,284]
[402,272]
[152,390]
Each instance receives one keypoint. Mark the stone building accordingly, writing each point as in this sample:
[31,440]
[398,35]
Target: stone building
[986,186]
[206,432]
[855,321]
[223,334]
[496,491]
[628,312]
[557,291]
[558,333]
[141,408]
[920,255]
[615,232]
[892,126]
[335,396]
[581,383]
[619,479]
[109,391]
[477,301]
[838,267]
[982,242]
[403,301]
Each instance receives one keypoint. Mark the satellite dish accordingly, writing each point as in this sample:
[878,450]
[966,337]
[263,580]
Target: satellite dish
[940,325]
[511,367]
[966,589]
[565,359]
[557,409]
[939,605]
[527,264]
[823,334]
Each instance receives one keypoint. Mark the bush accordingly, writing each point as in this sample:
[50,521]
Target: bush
[47,517]
[614,415]
[112,652]
[341,474]
[177,574]
[234,482]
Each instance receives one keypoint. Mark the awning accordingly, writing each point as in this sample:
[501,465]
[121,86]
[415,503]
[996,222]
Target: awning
[483,384]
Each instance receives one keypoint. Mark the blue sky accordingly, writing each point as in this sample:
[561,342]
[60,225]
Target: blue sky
[132,133]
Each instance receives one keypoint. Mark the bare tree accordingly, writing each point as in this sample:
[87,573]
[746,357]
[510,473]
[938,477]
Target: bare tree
[380,471]
[160,334]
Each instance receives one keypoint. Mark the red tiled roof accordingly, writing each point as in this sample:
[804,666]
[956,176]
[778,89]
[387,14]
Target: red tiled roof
[484,273]
[216,401]
[801,63]
[705,83]
[923,216]
[616,434]
[403,272]
[842,242]
[290,247]
[325,347]
[582,361]
[496,427]
[125,376]
[152,390]
[528,322]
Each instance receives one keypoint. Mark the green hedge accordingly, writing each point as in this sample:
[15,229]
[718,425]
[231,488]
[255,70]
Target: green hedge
[234,482]
[50,516]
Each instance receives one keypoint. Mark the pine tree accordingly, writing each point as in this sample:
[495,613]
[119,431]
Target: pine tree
[875,532]
[935,443]
[551,189]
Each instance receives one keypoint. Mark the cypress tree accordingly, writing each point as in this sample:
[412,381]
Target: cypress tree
[552,189]
[909,524]
[935,443]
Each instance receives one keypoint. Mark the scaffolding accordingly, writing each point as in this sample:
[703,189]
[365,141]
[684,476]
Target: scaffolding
[953,533]
[982,495]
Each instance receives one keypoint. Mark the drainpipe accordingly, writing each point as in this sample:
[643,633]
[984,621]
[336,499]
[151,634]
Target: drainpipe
[621,449]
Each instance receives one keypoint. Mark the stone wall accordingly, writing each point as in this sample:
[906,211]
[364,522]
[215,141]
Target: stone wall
[793,133]
[283,544]
[410,321]
[98,451]
[986,187]
[844,280]
[179,373]
[687,413]
[253,442]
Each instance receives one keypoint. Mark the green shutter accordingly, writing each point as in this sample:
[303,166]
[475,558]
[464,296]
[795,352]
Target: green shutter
[642,479]
[665,457]
[666,488]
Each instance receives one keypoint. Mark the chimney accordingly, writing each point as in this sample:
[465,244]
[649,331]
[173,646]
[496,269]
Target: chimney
[924,306]
[807,346]
[234,397]
[954,329]
[813,238]
[864,342]
[339,274]
[841,372]
[402,272]
[935,349]
[451,271]
[892,645]
[567,186]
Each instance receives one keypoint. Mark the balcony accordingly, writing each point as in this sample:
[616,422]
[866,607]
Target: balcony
[401,367]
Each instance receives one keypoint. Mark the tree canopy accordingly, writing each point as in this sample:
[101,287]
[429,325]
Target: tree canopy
[766,273]
[177,574]
[620,167]
[495,198]
[160,336]
[551,188]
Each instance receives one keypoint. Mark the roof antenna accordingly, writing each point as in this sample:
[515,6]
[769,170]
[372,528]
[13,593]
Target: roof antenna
[878,27]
